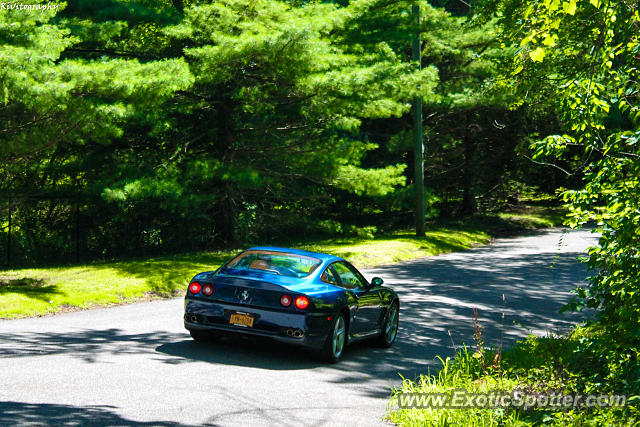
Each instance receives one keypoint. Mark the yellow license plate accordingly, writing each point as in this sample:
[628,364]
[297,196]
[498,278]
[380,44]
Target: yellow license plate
[241,320]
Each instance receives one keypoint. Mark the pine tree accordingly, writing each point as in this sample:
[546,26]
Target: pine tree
[55,111]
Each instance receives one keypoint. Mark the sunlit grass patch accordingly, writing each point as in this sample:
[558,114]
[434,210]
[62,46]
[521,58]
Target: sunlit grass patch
[30,292]
[536,216]
[39,291]
[458,374]
[571,365]
[397,247]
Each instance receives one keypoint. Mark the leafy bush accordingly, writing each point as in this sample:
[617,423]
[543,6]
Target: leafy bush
[366,232]
[582,362]
[461,372]
[600,113]
[336,228]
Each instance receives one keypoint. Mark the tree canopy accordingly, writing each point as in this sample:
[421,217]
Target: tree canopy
[133,127]
[580,58]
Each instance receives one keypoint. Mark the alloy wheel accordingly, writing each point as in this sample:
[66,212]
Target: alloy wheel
[339,336]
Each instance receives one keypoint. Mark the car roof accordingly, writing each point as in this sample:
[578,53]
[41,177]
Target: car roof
[319,255]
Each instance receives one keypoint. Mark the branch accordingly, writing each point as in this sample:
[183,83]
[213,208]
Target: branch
[546,164]
[112,52]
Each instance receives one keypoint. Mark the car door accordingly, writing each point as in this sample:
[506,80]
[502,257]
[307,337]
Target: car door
[366,315]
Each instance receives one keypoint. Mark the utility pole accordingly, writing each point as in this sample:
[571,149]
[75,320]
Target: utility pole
[9,238]
[418,148]
[77,233]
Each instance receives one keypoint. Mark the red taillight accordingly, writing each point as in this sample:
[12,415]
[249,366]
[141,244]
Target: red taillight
[207,289]
[302,302]
[285,300]
[194,288]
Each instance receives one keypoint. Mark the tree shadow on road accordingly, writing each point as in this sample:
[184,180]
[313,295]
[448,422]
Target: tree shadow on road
[22,413]
[437,297]
[240,351]
[87,344]
[92,345]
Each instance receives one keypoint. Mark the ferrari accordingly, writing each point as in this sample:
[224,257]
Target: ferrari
[310,299]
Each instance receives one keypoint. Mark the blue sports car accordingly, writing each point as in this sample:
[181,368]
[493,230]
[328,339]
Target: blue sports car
[311,299]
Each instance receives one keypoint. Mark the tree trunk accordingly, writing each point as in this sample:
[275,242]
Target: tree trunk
[468,198]
[225,220]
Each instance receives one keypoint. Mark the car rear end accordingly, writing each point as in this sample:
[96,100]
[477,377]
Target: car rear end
[253,306]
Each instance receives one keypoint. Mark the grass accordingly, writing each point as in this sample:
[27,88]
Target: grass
[399,246]
[594,359]
[42,291]
[31,292]
[536,216]
[520,219]
[536,367]
[455,375]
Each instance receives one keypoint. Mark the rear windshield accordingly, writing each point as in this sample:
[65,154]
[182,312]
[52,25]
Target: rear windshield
[280,263]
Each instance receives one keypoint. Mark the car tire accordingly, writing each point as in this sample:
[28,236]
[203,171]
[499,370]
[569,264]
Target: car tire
[390,326]
[336,340]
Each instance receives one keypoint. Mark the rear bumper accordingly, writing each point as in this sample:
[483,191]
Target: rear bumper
[213,316]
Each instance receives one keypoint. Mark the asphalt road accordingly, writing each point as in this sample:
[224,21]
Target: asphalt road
[136,364]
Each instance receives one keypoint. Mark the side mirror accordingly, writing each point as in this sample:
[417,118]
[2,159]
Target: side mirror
[376,281]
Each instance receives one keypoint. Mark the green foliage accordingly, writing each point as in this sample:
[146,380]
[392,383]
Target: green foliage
[470,133]
[335,228]
[132,127]
[573,364]
[461,372]
[580,58]
[271,122]
[374,182]
[586,51]
[58,117]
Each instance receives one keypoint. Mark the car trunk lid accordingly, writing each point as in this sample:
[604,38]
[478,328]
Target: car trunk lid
[251,291]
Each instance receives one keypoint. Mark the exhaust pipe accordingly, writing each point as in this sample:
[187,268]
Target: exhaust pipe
[194,318]
[295,333]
